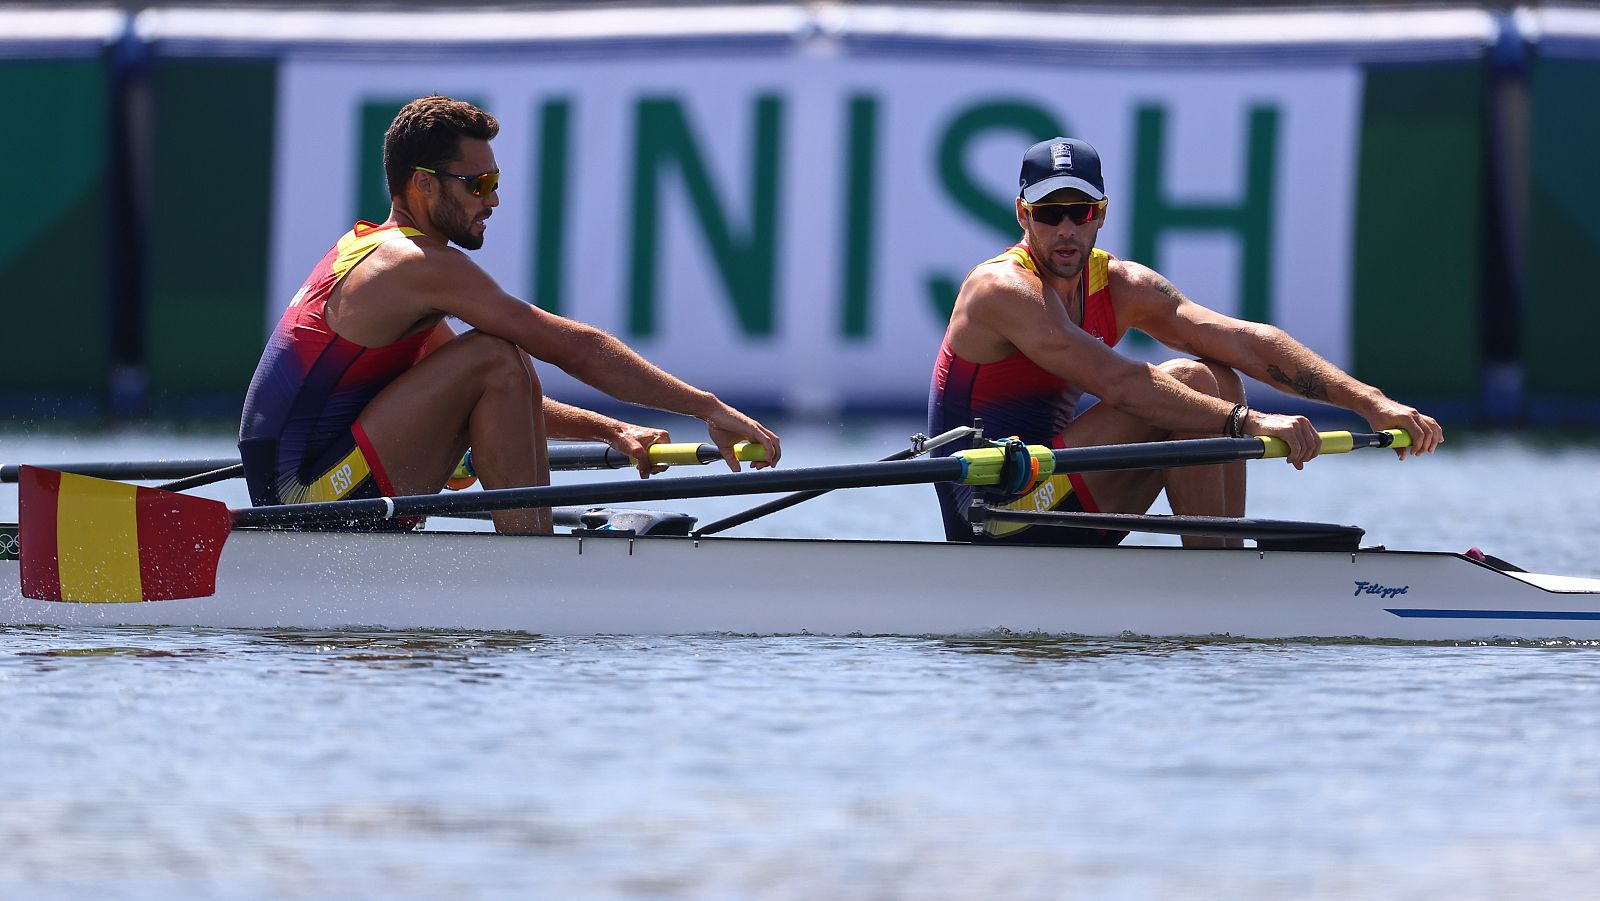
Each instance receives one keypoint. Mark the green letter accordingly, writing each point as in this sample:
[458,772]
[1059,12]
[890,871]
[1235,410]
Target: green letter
[748,262]
[858,203]
[554,116]
[1250,219]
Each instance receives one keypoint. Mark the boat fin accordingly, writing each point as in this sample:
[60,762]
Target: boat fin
[91,540]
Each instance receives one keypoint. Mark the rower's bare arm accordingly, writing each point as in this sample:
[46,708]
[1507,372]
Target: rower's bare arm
[569,422]
[566,421]
[463,290]
[1015,312]
[1148,301]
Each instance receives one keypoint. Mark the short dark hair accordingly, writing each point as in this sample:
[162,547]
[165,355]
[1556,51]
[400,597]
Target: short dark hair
[428,131]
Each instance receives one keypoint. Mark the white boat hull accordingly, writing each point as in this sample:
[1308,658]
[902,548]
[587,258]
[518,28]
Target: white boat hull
[571,585]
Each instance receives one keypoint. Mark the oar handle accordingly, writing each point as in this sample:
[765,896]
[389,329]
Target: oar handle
[695,454]
[1342,442]
[570,455]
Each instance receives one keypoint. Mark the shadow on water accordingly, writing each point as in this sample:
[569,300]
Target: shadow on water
[424,649]
[325,651]
[1067,647]
[115,651]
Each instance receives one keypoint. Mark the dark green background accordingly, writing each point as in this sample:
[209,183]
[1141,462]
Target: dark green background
[55,234]
[209,232]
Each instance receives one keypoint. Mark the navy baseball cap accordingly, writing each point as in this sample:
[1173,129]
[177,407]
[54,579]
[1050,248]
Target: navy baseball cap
[1058,163]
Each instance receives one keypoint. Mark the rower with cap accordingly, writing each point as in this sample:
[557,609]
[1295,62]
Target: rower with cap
[1033,330]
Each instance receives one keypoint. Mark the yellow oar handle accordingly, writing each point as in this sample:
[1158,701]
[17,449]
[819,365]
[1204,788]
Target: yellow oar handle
[1334,442]
[694,454]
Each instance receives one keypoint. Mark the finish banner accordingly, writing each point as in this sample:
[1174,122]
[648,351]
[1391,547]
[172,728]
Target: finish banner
[791,229]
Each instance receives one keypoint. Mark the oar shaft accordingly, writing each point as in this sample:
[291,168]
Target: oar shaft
[563,456]
[784,503]
[134,471]
[856,475]
[1154,455]
[1206,451]
[235,471]
[920,446]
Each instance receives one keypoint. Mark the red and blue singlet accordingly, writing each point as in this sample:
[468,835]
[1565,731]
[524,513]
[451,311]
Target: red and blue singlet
[1015,396]
[298,436]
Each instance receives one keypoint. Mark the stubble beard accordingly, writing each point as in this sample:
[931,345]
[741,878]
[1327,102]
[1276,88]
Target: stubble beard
[457,225]
[1069,271]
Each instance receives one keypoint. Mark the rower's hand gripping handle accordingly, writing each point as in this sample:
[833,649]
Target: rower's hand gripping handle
[1340,442]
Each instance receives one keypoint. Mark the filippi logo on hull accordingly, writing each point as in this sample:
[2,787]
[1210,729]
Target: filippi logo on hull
[795,228]
[1377,588]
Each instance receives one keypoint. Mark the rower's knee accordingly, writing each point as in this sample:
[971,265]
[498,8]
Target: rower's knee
[1230,386]
[501,364]
[1208,377]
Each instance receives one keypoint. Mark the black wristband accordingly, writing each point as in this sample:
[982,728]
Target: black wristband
[1236,421]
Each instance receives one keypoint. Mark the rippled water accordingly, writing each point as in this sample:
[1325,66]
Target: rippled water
[163,763]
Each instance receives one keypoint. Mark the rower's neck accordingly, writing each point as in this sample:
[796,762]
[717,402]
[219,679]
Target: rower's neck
[399,215]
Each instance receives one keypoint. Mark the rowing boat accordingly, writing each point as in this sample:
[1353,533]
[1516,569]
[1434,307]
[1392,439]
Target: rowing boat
[1300,580]
[614,583]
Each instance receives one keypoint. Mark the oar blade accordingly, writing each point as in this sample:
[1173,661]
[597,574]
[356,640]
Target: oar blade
[90,540]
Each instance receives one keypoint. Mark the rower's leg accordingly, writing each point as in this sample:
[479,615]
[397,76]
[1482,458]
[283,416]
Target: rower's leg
[1123,491]
[1217,490]
[476,390]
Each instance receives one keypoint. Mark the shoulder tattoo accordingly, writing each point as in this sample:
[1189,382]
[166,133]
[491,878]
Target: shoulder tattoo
[1303,383]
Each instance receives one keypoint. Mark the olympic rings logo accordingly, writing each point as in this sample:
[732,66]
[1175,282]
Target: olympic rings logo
[9,546]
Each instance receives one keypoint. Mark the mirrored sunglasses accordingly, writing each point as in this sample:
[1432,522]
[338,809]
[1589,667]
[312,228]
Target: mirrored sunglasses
[1078,212]
[478,185]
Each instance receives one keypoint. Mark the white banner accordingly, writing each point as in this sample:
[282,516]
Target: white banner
[779,229]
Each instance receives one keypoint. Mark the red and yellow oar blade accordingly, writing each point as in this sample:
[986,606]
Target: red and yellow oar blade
[90,540]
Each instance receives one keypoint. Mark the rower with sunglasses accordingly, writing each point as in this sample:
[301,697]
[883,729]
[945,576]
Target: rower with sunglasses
[365,391]
[1033,330]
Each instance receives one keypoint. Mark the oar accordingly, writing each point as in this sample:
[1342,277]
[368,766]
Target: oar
[131,471]
[86,539]
[564,456]
[205,478]
[920,444]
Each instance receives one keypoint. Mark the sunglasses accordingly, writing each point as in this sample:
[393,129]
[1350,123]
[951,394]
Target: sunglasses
[1078,212]
[478,185]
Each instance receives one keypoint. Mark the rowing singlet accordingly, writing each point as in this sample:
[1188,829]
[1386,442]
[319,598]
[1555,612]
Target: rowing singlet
[311,384]
[1013,396]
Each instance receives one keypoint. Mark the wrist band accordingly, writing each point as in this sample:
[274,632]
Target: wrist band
[1236,421]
